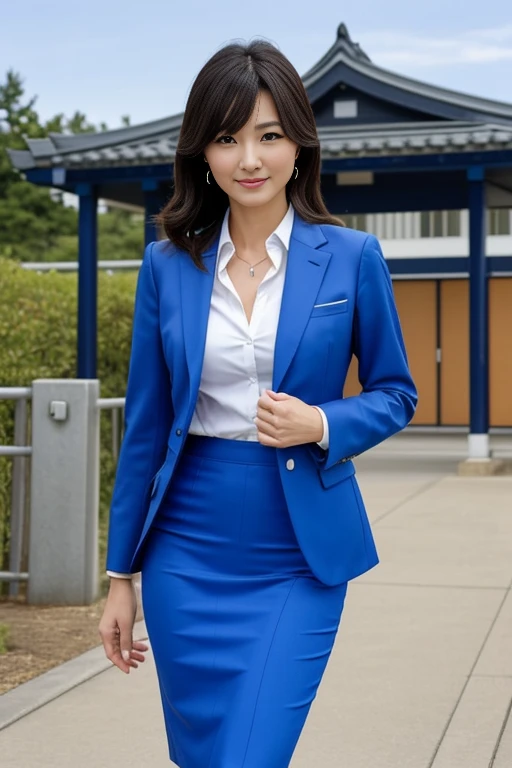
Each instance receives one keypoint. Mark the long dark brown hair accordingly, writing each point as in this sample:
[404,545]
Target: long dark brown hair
[222,99]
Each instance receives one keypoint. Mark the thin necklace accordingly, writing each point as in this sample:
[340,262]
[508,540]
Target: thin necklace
[251,266]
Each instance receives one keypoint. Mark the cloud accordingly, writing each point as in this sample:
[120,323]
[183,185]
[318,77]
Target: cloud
[391,49]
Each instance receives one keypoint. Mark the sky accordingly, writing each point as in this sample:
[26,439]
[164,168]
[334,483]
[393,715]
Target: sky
[110,58]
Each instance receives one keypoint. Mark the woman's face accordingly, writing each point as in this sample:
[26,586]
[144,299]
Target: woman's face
[259,150]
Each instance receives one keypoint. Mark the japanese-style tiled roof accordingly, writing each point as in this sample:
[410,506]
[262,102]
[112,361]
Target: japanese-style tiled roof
[401,138]
[347,53]
[489,126]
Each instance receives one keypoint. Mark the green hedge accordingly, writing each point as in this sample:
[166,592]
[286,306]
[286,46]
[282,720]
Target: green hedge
[38,340]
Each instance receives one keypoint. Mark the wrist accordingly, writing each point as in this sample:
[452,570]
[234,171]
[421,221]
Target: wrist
[117,582]
[319,426]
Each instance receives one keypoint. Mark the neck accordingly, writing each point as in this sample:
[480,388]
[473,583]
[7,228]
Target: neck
[251,227]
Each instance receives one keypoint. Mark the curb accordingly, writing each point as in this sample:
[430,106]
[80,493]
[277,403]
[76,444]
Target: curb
[33,694]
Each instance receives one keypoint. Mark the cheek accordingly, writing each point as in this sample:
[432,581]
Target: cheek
[282,160]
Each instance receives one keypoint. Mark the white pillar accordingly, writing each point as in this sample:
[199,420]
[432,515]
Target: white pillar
[478,446]
[64,497]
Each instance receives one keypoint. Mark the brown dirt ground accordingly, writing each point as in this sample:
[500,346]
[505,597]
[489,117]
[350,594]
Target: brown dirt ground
[41,637]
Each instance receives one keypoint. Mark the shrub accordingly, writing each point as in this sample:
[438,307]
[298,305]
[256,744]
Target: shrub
[4,638]
[38,340]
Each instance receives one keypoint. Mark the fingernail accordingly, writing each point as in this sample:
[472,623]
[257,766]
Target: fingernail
[126,655]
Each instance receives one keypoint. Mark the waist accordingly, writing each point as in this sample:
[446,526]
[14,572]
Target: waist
[243,451]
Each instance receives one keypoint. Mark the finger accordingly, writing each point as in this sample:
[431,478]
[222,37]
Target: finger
[267,416]
[265,428]
[265,439]
[126,641]
[117,658]
[139,646]
[277,395]
[137,656]
[265,402]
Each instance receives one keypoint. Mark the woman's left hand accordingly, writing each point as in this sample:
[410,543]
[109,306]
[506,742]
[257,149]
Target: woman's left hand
[283,421]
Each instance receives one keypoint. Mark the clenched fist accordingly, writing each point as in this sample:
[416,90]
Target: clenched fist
[283,421]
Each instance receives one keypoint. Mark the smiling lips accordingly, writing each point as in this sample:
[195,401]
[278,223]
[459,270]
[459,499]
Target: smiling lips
[252,183]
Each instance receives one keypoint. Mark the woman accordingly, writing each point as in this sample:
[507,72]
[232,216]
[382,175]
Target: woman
[235,493]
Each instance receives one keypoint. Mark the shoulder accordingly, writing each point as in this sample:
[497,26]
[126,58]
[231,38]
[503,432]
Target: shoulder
[350,245]
[348,238]
[159,255]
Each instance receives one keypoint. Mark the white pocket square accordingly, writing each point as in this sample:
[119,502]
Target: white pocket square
[331,303]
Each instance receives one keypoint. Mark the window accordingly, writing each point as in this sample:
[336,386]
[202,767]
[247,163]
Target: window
[345,109]
[498,221]
[440,224]
[354,220]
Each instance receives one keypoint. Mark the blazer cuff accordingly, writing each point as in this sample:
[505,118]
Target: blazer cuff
[324,442]
[117,575]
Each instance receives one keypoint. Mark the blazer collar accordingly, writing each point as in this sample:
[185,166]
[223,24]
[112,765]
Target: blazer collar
[305,270]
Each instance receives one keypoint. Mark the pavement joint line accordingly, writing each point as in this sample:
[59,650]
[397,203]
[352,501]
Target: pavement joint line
[500,735]
[468,678]
[418,492]
[493,677]
[367,583]
[36,693]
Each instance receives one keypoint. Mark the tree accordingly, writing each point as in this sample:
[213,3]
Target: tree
[34,224]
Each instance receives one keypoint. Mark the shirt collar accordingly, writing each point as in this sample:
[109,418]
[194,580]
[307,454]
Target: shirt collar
[276,243]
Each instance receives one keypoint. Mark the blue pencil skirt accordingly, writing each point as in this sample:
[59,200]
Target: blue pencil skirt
[240,629]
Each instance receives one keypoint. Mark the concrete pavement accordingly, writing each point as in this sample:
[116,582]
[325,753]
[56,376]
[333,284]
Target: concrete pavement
[421,674]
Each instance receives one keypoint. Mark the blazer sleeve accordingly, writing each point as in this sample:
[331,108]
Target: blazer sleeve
[388,398]
[148,420]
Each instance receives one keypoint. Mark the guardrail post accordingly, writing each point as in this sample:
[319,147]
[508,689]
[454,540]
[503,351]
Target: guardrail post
[19,470]
[64,498]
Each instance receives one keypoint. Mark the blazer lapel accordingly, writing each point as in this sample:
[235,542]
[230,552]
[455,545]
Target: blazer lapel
[305,270]
[196,291]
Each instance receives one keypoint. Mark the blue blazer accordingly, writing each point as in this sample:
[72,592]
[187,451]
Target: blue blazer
[337,301]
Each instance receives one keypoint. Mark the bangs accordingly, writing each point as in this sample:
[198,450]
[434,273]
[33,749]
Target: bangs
[233,104]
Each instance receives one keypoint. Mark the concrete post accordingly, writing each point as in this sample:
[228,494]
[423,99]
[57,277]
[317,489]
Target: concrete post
[64,497]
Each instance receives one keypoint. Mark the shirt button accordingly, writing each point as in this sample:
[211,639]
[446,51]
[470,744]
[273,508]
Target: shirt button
[290,464]
[252,380]
[178,432]
[249,343]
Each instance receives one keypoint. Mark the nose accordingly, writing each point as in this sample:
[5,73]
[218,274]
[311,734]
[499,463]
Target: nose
[249,160]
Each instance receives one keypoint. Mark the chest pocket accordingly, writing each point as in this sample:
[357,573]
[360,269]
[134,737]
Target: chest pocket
[330,308]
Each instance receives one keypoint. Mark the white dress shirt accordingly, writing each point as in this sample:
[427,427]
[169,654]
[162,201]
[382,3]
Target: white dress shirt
[239,356]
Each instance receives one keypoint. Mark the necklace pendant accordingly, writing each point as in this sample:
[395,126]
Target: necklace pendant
[251,271]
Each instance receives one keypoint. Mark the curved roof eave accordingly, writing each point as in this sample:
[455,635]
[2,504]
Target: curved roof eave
[400,82]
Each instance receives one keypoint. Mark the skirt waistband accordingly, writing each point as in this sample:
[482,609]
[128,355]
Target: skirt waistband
[242,451]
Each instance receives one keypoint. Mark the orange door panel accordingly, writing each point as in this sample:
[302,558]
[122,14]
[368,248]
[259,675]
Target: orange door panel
[500,351]
[416,303]
[454,314]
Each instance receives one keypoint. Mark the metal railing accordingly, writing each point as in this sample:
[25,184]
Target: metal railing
[116,405]
[111,265]
[19,452]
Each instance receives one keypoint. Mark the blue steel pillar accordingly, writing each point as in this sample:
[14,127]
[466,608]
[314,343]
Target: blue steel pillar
[87,280]
[478,445]
[152,205]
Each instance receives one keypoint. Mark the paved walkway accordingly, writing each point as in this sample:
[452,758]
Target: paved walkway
[421,675]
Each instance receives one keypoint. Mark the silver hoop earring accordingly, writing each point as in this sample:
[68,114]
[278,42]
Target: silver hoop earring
[207,174]
[296,172]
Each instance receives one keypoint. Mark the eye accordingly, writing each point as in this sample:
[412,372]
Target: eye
[277,135]
[219,140]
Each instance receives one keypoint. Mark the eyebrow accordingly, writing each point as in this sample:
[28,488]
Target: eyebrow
[267,125]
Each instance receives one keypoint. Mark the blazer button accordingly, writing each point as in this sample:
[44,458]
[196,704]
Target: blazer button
[178,432]
[290,464]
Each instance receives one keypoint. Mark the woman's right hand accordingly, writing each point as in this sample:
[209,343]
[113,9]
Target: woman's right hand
[116,626]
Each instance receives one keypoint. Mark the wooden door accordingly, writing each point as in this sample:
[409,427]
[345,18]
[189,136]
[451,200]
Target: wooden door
[454,336]
[416,302]
[500,351]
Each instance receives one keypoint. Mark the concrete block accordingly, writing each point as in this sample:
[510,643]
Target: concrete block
[63,548]
[484,467]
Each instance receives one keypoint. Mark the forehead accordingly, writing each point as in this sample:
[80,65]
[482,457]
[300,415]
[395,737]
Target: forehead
[264,108]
